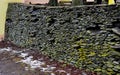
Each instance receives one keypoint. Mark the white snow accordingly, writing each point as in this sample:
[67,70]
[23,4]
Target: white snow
[63,71]
[83,73]
[68,74]
[5,49]
[33,64]
[52,74]
[14,51]
[23,55]
[36,64]
[8,49]
[47,69]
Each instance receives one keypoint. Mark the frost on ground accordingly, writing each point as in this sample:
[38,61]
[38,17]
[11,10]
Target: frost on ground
[5,49]
[23,55]
[32,64]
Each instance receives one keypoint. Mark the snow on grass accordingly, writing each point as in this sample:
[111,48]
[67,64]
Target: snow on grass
[47,69]
[33,64]
[16,52]
[26,59]
[52,74]
[5,49]
[63,71]
[68,74]
[9,49]
[23,55]
[83,73]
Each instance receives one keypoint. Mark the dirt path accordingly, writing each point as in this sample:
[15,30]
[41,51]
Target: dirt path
[19,61]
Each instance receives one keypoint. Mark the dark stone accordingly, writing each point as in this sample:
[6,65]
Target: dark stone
[93,28]
[116,23]
[116,47]
[35,20]
[99,1]
[9,20]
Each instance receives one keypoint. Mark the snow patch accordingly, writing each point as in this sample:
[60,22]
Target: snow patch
[83,73]
[63,71]
[33,64]
[68,74]
[47,69]
[15,52]
[23,55]
[5,49]
[52,74]
[8,49]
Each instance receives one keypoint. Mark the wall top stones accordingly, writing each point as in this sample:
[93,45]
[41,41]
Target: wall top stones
[88,17]
[37,5]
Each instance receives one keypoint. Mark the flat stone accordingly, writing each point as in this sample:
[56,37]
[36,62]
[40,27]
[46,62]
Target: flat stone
[116,30]
[116,46]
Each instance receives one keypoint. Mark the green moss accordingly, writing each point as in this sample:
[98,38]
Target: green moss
[91,55]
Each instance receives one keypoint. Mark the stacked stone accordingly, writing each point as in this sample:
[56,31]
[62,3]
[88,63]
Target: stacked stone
[55,31]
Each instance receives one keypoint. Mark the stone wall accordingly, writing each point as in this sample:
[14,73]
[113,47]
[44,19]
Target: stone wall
[61,32]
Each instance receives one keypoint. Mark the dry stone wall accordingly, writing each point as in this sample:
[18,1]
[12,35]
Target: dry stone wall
[61,32]
[35,26]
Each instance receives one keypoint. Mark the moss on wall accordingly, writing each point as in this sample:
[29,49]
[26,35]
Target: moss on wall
[81,36]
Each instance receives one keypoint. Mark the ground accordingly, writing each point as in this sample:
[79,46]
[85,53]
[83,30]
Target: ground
[15,60]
